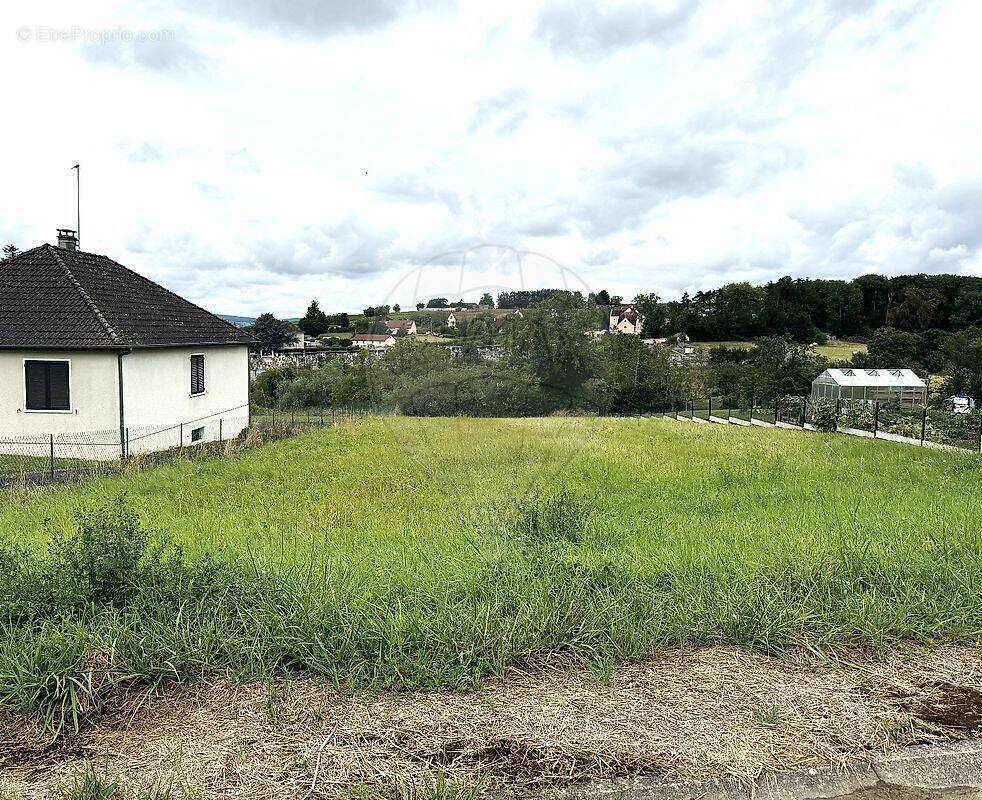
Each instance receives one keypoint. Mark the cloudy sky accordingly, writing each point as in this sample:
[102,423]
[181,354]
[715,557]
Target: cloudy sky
[255,154]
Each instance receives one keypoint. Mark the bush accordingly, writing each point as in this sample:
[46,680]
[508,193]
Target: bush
[825,417]
[109,561]
[100,561]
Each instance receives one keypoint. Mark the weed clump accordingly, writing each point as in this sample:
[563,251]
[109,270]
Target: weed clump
[560,517]
[88,784]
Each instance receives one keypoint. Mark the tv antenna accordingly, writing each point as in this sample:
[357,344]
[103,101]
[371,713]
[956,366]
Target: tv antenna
[78,205]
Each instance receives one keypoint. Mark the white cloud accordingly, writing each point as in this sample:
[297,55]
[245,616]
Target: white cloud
[269,153]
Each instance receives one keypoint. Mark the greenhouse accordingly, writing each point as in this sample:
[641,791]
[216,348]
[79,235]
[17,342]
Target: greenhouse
[871,385]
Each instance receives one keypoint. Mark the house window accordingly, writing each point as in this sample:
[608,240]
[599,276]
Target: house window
[46,386]
[197,434]
[197,374]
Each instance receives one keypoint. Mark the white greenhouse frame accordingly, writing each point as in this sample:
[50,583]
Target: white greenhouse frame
[870,386]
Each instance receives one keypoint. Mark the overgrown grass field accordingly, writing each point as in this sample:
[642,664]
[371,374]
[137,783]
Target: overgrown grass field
[404,552]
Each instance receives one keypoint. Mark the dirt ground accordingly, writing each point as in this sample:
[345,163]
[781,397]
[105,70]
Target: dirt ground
[693,714]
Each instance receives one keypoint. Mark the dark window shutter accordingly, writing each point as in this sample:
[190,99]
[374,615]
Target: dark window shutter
[197,374]
[47,386]
[58,393]
[36,379]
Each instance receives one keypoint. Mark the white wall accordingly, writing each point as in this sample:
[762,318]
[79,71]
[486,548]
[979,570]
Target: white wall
[92,384]
[157,393]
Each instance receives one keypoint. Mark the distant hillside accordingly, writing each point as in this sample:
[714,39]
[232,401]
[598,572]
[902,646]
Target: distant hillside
[238,322]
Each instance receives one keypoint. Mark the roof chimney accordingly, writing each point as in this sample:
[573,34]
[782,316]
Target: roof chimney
[67,240]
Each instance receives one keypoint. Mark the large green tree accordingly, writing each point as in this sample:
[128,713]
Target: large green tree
[549,339]
[315,321]
[890,348]
[270,332]
[916,309]
[963,362]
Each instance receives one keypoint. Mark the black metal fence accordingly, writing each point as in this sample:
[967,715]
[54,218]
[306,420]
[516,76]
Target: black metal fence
[922,426]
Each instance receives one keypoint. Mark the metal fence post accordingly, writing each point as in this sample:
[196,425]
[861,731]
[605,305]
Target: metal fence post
[51,441]
[876,419]
[322,416]
[729,407]
[838,412]
[751,415]
[273,423]
[709,416]
[777,409]
[182,435]
[804,410]
[980,430]
[127,442]
[923,424]
[220,436]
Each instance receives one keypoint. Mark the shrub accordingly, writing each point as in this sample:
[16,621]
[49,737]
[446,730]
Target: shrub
[108,561]
[100,561]
[825,417]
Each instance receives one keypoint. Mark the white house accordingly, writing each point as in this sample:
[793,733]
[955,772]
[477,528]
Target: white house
[93,354]
[452,320]
[300,342]
[404,326]
[625,320]
[373,341]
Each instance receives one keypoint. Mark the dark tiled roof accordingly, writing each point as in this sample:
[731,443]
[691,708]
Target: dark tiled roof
[56,298]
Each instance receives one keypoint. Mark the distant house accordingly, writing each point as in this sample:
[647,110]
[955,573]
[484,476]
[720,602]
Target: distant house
[871,386]
[624,319]
[452,320]
[373,341]
[299,343]
[87,345]
[406,327]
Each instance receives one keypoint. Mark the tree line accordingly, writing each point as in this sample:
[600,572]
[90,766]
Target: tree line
[807,310]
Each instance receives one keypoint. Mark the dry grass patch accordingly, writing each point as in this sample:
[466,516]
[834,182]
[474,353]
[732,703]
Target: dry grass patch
[703,713]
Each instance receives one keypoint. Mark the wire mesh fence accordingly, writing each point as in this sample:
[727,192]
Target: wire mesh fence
[296,419]
[917,425]
[67,457]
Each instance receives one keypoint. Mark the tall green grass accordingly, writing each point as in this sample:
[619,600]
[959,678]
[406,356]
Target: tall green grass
[432,553]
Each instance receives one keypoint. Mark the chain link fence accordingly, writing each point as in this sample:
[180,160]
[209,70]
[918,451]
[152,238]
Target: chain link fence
[67,457]
[920,425]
